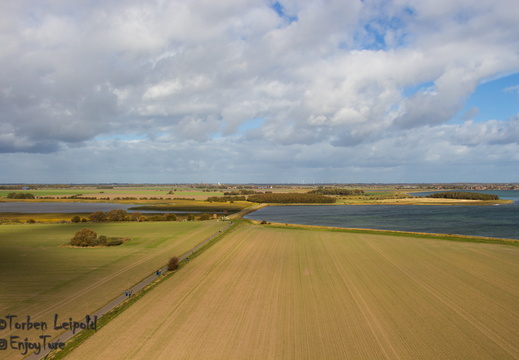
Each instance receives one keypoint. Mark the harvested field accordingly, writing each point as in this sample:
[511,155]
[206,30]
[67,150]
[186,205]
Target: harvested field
[41,277]
[272,293]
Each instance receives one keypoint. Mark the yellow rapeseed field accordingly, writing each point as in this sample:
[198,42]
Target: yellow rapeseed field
[272,293]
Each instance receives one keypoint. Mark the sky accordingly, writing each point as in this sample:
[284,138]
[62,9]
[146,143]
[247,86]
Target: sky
[259,91]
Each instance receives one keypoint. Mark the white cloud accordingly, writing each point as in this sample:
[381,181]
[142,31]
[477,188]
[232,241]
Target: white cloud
[328,80]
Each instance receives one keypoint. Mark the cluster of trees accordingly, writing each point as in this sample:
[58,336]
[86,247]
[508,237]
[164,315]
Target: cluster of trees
[291,198]
[463,195]
[87,237]
[15,195]
[335,191]
[192,217]
[226,198]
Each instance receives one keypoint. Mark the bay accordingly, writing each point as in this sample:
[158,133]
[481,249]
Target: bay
[499,221]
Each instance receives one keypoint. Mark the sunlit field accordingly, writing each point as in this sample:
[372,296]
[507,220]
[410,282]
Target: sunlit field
[273,293]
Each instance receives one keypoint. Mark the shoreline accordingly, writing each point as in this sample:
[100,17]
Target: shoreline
[448,236]
[438,236]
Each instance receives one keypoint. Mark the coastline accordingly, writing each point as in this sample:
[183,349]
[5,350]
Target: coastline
[437,236]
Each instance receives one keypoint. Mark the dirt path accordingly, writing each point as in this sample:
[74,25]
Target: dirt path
[123,297]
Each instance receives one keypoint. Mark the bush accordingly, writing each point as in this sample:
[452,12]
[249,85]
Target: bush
[136,216]
[205,216]
[170,217]
[76,219]
[114,242]
[87,237]
[103,240]
[84,237]
[173,263]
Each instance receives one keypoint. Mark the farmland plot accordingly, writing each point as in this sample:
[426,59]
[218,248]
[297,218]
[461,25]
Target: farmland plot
[39,277]
[273,293]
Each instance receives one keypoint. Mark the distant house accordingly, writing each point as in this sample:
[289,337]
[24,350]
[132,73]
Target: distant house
[25,188]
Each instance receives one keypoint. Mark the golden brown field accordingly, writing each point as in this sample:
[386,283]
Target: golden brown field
[272,293]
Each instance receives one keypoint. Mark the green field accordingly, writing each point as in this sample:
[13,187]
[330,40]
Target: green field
[121,191]
[42,277]
[271,293]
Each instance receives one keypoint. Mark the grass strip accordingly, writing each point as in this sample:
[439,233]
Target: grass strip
[448,237]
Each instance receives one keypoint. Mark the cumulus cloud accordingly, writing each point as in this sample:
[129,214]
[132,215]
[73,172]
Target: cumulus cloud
[328,80]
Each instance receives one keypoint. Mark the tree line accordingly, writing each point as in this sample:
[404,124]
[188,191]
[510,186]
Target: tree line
[291,198]
[463,196]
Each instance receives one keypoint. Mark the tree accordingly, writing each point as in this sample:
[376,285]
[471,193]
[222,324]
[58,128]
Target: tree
[190,217]
[173,263]
[75,219]
[136,216]
[116,215]
[205,216]
[170,217]
[97,216]
[84,237]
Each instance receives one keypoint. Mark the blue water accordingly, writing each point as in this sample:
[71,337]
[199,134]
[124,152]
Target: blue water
[499,221]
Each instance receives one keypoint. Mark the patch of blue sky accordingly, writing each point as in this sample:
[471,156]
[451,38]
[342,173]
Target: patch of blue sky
[121,137]
[493,100]
[372,36]
[280,10]
[245,127]
[424,87]
[249,125]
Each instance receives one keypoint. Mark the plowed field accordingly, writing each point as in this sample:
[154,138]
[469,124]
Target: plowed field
[273,293]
